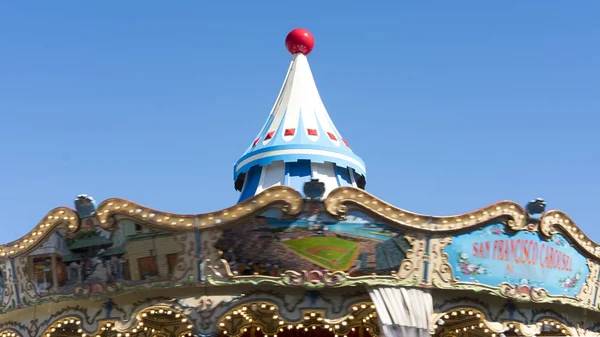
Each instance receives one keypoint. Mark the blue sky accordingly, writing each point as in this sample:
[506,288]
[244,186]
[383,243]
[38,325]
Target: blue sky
[453,105]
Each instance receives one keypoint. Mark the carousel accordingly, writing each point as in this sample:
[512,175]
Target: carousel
[305,251]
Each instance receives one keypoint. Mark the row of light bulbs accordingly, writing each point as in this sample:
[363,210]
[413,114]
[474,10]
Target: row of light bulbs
[162,312]
[10,334]
[486,330]
[326,326]
[36,233]
[310,316]
[164,218]
[111,327]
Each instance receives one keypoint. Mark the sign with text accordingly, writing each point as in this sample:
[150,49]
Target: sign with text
[491,256]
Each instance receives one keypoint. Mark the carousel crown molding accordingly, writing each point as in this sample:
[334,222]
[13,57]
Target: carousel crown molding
[338,203]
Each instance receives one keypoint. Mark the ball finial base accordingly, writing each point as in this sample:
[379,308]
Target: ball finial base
[299,40]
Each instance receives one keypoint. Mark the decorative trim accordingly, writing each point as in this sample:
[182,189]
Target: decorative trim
[518,293]
[61,217]
[346,198]
[441,270]
[288,199]
[264,157]
[8,332]
[588,290]
[343,199]
[473,316]
[551,221]
[220,273]
[477,316]
[410,268]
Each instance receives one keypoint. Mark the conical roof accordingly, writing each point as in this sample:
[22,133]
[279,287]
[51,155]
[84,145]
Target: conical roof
[299,127]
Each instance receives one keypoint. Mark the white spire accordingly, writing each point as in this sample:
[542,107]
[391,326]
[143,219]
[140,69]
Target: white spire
[299,129]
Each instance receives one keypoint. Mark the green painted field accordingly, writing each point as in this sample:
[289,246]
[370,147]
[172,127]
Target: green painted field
[327,252]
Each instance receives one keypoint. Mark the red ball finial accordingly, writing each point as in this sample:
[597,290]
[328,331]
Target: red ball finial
[299,40]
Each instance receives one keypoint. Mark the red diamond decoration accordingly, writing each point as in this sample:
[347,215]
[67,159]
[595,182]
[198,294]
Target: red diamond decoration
[289,132]
[269,135]
[255,142]
[331,135]
[312,132]
[345,142]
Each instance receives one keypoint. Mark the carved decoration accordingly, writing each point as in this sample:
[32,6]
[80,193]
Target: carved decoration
[588,290]
[411,268]
[185,264]
[219,273]
[28,290]
[523,292]
[203,310]
[441,274]
[328,279]
[9,300]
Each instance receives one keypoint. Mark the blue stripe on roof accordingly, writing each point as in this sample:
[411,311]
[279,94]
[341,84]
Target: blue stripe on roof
[288,158]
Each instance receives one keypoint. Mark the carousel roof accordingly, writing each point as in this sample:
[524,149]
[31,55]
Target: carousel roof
[299,127]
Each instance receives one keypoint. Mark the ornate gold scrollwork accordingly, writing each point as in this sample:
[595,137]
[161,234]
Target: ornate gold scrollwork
[551,221]
[61,217]
[442,275]
[523,292]
[587,292]
[289,200]
[342,199]
[411,267]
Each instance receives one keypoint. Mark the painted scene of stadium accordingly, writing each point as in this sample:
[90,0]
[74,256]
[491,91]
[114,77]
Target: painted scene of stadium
[269,246]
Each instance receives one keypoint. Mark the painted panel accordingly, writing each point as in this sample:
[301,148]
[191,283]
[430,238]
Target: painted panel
[95,262]
[270,246]
[492,256]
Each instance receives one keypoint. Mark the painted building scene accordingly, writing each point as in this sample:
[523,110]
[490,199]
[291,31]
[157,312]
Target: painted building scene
[96,260]
[305,250]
